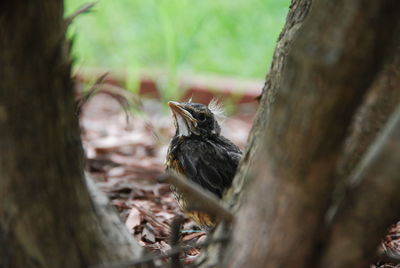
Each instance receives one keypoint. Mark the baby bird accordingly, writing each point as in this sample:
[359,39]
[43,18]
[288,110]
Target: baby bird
[199,153]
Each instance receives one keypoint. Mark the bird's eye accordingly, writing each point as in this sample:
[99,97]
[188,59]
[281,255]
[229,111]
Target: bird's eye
[201,117]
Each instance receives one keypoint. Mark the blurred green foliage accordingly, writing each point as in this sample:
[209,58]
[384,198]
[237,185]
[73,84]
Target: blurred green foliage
[227,37]
[231,37]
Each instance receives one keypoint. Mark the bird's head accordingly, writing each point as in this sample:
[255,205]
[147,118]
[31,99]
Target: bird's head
[195,118]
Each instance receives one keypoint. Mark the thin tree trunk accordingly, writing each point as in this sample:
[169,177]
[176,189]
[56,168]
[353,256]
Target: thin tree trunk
[331,65]
[47,218]
[371,205]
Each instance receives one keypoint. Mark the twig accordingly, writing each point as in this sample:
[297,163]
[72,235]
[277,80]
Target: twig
[89,94]
[150,217]
[175,232]
[85,8]
[175,250]
[198,199]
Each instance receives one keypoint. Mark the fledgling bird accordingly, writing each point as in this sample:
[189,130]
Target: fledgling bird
[201,154]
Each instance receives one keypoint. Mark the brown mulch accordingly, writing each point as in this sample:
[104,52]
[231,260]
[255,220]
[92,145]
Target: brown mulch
[390,248]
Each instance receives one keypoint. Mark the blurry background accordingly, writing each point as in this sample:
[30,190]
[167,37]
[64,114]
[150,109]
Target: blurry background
[223,37]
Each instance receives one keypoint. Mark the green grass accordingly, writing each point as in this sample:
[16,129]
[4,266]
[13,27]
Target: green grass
[227,37]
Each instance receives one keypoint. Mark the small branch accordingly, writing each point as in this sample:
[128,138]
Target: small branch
[198,199]
[87,95]
[85,8]
[175,232]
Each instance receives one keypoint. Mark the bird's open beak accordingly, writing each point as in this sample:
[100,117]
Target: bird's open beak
[178,109]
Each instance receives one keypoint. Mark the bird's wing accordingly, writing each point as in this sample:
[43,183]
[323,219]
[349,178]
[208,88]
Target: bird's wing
[211,166]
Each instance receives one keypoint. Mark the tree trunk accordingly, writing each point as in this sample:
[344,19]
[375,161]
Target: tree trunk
[328,70]
[47,218]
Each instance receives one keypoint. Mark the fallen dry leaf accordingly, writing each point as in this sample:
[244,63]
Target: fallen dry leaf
[148,233]
[133,219]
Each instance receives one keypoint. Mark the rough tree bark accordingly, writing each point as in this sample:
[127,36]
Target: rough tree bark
[328,70]
[47,218]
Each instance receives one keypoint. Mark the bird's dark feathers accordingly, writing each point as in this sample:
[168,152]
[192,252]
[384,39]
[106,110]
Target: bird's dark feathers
[201,154]
[210,162]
